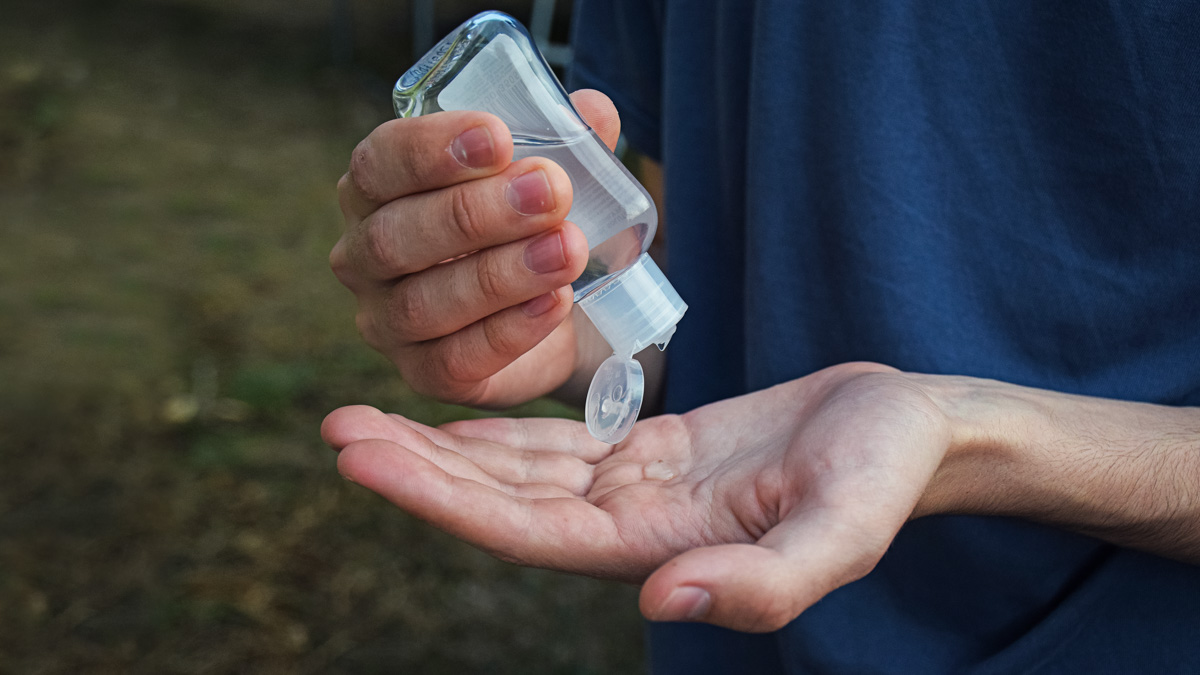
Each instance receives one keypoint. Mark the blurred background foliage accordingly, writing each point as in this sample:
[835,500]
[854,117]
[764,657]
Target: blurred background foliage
[170,339]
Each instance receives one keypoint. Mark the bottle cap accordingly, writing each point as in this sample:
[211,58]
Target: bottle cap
[632,311]
[635,309]
[614,399]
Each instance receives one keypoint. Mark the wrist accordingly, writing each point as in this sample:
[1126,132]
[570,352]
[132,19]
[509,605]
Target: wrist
[991,427]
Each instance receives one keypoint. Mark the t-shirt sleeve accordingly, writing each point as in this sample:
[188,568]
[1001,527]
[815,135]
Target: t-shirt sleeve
[618,51]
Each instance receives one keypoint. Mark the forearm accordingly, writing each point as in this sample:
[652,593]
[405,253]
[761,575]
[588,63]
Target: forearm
[1128,473]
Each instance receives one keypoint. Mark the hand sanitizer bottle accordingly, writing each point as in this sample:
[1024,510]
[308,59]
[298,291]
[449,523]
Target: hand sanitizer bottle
[491,64]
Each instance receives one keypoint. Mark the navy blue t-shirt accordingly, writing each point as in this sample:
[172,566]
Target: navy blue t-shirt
[1007,190]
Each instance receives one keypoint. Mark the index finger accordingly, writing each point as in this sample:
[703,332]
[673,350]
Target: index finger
[407,156]
[563,533]
[541,434]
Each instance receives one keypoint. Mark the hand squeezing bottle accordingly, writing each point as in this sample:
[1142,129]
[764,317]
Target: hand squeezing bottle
[490,64]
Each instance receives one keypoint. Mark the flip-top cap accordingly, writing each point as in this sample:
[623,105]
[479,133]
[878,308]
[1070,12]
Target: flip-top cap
[614,399]
[634,310]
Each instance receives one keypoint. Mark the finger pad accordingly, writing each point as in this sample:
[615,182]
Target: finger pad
[599,112]
[344,425]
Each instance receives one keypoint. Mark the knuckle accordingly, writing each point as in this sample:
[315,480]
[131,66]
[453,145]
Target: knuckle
[500,338]
[466,217]
[379,248]
[456,371]
[362,173]
[491,279]
[408,310]
[413,162]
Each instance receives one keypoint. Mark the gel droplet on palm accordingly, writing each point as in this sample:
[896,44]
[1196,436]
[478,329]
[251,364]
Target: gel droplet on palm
[491,64]
[659,470]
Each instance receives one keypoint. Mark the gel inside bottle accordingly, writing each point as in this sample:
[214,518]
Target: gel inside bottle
[491,64]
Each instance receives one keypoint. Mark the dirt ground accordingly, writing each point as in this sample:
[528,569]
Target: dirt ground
[170,339]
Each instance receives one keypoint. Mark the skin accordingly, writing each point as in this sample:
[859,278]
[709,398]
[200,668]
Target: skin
[778,497]
[742,513]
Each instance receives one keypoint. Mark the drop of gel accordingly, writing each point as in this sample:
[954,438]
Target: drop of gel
[659,470]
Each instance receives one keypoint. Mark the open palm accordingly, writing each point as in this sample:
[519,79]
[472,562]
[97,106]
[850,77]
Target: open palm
[741,513]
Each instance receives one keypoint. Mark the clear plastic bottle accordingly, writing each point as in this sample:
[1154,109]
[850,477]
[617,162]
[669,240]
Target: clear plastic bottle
[491,64]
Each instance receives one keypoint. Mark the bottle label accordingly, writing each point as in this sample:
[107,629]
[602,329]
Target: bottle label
[500,80]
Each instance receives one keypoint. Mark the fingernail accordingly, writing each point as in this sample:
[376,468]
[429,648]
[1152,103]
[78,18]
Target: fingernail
[473,148]
[530,193]
[686,603]
[539,305]
[545,254]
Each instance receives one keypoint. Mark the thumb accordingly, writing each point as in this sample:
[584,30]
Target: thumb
[758,587]
[600,114]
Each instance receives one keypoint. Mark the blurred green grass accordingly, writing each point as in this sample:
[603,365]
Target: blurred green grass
[170,339]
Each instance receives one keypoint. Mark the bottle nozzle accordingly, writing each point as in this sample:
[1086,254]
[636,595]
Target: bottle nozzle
[635,309]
